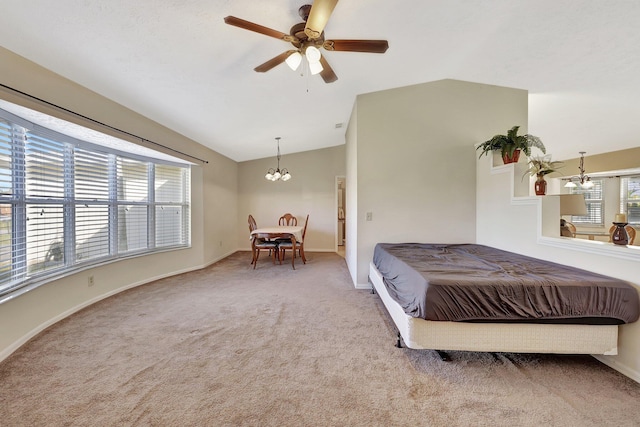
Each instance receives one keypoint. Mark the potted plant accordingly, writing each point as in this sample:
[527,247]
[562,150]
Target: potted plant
[541,166]
[511,144]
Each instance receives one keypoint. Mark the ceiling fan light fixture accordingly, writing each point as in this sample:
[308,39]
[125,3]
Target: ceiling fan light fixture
[294,60]
[315,68]
[313,54]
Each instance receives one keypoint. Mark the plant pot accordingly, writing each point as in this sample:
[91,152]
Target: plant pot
[511,159]
[540,185]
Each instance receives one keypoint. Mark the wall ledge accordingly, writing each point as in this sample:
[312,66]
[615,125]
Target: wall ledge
[630,253]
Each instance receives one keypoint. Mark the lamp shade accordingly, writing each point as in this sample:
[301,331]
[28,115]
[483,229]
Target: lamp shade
[294,60]
[315,67]
[573,204]
[313,54]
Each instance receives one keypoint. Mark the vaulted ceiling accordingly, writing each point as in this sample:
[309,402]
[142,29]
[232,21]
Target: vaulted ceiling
[178,63]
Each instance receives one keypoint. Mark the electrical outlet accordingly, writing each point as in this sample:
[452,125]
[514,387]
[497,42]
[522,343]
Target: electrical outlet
[369,216]
[90,281]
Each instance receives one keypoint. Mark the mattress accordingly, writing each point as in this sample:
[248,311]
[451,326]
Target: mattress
[475,283]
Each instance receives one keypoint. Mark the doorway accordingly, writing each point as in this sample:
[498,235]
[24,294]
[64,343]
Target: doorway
[340,214]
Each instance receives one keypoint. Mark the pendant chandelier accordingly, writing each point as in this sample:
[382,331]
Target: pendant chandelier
[277,174]
[582,179]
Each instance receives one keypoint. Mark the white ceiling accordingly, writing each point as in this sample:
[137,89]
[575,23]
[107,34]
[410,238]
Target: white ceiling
[178,63]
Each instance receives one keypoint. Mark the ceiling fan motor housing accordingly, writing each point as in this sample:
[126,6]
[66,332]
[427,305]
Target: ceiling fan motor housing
[297,31]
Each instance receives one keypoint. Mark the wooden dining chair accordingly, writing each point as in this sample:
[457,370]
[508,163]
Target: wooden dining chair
[258,243]
[567,229]
[286,244]
[288,219]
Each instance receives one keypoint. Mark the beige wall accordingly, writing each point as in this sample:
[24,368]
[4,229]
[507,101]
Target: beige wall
[312,191]
[214,195]
[352,212]
[614,160]
[411,154]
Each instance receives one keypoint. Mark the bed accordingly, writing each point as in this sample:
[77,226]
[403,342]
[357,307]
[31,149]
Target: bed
[477,298]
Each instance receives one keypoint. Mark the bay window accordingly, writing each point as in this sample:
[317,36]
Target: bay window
[66,203]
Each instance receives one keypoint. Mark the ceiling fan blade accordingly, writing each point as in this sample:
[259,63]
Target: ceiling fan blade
[263,68]
[327,73]
[247,25]
[318,17]
[369,46]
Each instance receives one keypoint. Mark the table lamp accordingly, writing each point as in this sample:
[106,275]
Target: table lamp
[571,204]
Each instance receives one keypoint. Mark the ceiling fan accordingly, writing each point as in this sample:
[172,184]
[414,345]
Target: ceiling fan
[307,37]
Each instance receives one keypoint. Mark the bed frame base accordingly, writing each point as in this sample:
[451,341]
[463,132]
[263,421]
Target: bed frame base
[444,356]
[495,337]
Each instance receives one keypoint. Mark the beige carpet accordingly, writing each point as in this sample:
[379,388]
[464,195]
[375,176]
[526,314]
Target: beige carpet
[232,346]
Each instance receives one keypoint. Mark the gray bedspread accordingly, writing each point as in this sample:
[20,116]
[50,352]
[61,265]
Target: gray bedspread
[466,282]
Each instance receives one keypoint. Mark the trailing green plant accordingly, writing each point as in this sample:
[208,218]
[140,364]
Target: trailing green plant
[542,165]
[509,143]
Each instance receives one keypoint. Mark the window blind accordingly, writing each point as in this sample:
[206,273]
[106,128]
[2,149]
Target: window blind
[171,184]
[133,202]
[594,197]
[6,192]
[630,198]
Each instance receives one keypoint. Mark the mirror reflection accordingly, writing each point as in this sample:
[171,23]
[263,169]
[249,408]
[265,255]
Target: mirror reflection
[594,208]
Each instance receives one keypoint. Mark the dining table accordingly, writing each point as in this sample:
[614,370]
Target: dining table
[293,232]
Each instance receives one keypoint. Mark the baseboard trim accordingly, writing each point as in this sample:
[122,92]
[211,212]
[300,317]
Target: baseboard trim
[364,286]
[623,369]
